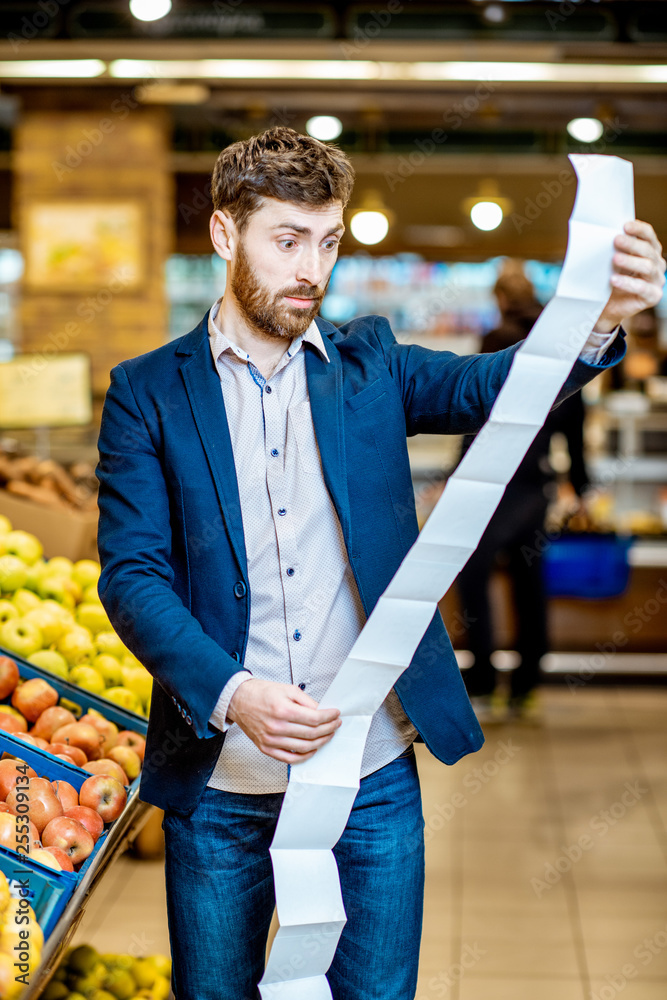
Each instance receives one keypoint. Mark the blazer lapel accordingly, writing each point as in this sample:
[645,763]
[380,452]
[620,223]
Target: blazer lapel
[325,388]
[202,385]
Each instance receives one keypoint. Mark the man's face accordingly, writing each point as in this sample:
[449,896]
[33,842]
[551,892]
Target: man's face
[282,264]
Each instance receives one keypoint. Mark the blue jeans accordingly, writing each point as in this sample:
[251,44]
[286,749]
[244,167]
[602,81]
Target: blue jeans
[220,895]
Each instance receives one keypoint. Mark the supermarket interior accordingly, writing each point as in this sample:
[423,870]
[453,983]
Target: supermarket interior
[546,850]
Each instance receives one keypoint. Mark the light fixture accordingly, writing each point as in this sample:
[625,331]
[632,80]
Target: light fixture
[370,223]
[324,127]
[494,13]
[585,129]
[52,69]
[168,92]
[487,208]
[149,10]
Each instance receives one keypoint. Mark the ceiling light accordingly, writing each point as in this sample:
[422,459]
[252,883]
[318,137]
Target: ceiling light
[487,208]
[172,93]
[51,69]
[585,129]
[370,222]
[494,14]
[324,127]
[149,10]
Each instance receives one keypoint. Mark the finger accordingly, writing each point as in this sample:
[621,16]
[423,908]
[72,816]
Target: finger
[299,749]
[308,716]
[647,293]
[643,230]
[288,758]
[637,247]
[281,731]
[639,267]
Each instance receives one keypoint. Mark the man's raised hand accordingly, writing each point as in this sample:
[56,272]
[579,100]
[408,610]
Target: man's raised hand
[638,278]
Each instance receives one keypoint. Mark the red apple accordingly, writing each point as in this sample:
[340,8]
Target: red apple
[4,808]
[92,820]
[44,855]
[12,834]
[33,696]
[126,738]
[66,794]
[70,836]
[9,676]
[51,719]
[108,729]
[61,858]
[9,773]
[75,755]
[128,759]
[12,723]
[107,766]
[105,795]
[81,735]
[26,738]
[43,803]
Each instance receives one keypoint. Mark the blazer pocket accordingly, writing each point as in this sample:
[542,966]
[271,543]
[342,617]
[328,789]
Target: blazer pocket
[372,392]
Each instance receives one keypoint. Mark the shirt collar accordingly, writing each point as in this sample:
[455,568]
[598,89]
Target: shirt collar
[220,343]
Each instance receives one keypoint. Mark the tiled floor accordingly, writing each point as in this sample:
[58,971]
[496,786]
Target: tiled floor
[546,855]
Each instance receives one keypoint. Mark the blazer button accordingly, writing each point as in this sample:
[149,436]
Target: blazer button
[240,589]
[188,719]
[236,656]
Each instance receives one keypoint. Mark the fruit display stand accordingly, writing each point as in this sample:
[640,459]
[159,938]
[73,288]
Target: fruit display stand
[59,897]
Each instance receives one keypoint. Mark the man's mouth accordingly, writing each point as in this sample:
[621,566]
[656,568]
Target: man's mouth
[299,303]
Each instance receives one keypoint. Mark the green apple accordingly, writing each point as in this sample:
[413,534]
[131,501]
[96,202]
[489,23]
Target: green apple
[65,615]
[109,642]
[13,573]
[20,637]
[85,676]
[129,660]
[139,680]
[5,525]
[54,991]
[122,696]
[120,983]
[34,575]
[91,595]
[24,545]
[93,617]
[48,622]
[49,660]
[86,572]
[82,959]
[76,645]
[60,565]
[25,600]
[144,972]
[110,669]
[58,587]
[8,610]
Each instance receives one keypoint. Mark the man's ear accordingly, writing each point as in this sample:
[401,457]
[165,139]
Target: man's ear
[223,234]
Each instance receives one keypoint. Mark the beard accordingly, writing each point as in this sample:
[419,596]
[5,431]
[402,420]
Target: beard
[267,312]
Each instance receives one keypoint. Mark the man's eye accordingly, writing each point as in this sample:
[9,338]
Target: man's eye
[331,244]
[288,244]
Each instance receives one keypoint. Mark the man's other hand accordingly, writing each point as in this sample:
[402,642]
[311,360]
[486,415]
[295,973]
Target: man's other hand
[281,719]
[638,278]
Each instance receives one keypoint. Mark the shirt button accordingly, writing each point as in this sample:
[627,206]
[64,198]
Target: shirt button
[267,388]
[275,452]
[290,571]
[282,511]
[302,686]
[240,589]
[297,635]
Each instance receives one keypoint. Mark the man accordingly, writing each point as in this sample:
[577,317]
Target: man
[255,501]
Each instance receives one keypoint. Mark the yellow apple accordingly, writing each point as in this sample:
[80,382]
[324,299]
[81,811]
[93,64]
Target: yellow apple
[122,696]
[76,645]
[110,669]
[162,964]
[58,587]
[8,610]
[85,676]
[13,573]
[20,637]
[139,680]
[24,545]
[65,615]
[93,617]
[60,565]
[25,600]
[109,642]
[34,575]
[144,972]
[47,621]
[86,572]
[49,660]
[5,525]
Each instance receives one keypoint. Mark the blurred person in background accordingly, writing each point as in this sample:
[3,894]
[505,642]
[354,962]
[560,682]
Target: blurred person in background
[516,526]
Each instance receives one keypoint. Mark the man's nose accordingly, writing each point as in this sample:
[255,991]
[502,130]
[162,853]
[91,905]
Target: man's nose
[309,271]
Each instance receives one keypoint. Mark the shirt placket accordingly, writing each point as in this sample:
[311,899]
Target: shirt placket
[284,516]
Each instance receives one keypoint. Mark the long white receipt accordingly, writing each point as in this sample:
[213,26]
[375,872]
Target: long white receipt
[321,790]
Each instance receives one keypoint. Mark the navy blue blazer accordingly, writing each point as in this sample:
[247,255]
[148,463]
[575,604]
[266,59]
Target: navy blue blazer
[174,574]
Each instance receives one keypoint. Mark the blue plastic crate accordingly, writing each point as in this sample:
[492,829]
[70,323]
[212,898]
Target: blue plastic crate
[588,565]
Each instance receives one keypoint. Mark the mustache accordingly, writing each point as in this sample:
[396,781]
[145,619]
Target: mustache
[304,292]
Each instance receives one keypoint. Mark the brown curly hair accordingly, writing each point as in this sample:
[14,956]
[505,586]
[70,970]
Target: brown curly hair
[279,163]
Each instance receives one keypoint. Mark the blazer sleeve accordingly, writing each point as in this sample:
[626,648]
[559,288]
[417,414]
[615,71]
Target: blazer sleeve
[136,584]
[444,393]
